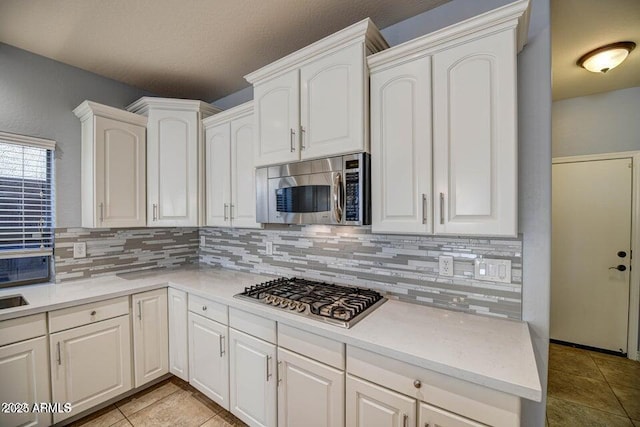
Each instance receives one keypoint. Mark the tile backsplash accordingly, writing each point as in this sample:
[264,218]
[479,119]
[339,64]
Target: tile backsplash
[405,267]
[112,251]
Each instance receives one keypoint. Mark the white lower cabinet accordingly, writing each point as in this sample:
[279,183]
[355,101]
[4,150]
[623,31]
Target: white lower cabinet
[90,364]
[432,416]
[369,405]
[310,393]
[178,338]
[150,336]
[208,358]
[252,379]
[24,375]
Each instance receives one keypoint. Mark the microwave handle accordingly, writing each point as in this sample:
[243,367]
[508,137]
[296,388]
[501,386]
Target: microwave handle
[338,197]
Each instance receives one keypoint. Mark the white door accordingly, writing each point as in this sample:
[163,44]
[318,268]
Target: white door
[24,375]
[369,405]
[120,160]
[150,336]
[475,137]
[172,168]
[591,209]
[401,198]
[218,172]
[90,364]
[332,104]
[252,379]
[208,358]
[277,119]
[433,416]
[243,174]
[178,327]
[310,393]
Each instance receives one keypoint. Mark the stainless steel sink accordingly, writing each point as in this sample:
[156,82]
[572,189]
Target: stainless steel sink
[12,301]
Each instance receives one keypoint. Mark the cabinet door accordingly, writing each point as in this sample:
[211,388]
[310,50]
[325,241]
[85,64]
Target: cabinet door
[243,174]
[178,341]
[24,376]
[172,168]
[310,393]
[252,379]
[90,364]
[277,119]
[475,137]
[208,358]
[150,336]
[401,148]
[432,416]
[218,172]
[120,178]
[369,405]
[332,103]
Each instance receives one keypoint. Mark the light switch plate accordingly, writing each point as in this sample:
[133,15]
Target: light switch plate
[494,270]
[80,250]
[445,265]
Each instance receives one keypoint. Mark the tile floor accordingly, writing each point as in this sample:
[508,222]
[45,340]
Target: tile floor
[592,389]
[172,402]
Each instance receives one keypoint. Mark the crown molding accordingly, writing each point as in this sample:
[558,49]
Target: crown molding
[230,114]
[512,15]
[364,32]
[31,141]
[144,104]
[89,108]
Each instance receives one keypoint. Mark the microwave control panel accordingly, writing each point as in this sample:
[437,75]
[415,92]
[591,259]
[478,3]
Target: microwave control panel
[352,190]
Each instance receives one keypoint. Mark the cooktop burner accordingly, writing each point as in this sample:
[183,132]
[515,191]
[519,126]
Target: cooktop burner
[336,304]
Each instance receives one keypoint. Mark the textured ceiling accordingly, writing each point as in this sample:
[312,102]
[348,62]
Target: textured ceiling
[184,48]
[578,26]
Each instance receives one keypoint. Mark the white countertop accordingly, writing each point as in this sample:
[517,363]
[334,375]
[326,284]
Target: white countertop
[491,352]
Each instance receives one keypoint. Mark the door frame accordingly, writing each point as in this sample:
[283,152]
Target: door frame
[634,277]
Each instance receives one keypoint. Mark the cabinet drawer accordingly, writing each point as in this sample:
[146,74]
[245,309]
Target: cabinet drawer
[470,400]
[209,309]
[88,313]
[319,348]
[22,328]
[257,326]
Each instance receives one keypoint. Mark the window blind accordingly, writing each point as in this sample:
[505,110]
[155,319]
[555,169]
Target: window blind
[26,197]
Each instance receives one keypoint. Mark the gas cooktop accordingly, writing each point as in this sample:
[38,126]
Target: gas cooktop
[335,304]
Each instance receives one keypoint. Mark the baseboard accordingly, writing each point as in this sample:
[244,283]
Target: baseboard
[596,349]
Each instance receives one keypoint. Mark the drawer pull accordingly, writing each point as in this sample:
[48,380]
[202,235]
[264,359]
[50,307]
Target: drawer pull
[417,384]
[93,313]
[221,340]
[204,308]
[279,372]
[405,421]
[59,356]
[268,364]
[140,310]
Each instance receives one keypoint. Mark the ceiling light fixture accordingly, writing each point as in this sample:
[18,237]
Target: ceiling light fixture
[605,58]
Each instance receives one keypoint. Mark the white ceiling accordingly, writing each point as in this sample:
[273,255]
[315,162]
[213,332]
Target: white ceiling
[579,26]
[188,49]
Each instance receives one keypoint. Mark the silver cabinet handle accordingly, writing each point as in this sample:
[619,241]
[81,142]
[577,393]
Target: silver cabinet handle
[338,198]
[140,310]
[226,217]
[221,342]
[204,308]
[269,375]
[424,208]
[155,212]
[441,208]
[303,136]
[279,372]
[101,212]
[59,355]
[405,421]
[292,136]
[231,210]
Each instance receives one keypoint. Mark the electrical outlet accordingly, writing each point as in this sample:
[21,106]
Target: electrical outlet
[269,248]
[202,241]
[495,270]
[445,265]
[80,250]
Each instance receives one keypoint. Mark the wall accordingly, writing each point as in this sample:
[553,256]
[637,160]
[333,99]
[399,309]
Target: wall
[37,96]
[405,267]
[602,123]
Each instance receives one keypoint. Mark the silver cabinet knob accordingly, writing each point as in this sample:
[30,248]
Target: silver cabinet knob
[204,308]
[417,384]
[93,313]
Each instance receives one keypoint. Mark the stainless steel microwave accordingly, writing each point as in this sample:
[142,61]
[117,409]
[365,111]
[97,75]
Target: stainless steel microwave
[333,190]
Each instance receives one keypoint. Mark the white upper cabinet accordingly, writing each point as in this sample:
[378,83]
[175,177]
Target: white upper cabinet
[113,177]
[313,103]
[175,160]
[401,148]
[230,171]
[451,93]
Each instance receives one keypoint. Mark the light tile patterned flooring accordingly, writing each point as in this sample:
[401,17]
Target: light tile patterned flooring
[172,402]
[592,389]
